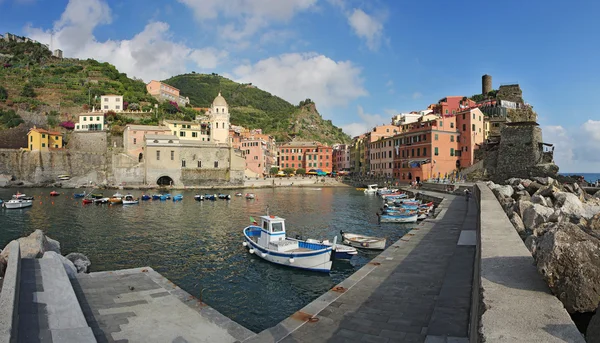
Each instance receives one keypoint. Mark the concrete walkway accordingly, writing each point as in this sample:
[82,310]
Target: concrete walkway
[140,305]
[419,291]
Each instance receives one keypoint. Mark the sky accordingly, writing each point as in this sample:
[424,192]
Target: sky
[361,61]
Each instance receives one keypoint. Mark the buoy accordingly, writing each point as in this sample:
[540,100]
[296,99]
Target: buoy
[291,260]
[263,254]
[245,244]
[251,251]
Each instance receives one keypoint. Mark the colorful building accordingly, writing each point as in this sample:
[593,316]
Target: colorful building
[341,158]
[43,140]
[189,130]
[471,125]
[93,121]
[357,155]
[306,155]
[133,138]
[374,135]
[164,92]
[111,102]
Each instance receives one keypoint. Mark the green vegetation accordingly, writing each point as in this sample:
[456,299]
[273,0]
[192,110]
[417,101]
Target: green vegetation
[9,118]
[274,170]
[300,171]
[254,108]
[480,97]
[288,171]
[52,118]
[3,94]
[28,91]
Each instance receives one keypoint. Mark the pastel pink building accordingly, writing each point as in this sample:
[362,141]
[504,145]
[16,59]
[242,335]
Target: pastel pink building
[133,138]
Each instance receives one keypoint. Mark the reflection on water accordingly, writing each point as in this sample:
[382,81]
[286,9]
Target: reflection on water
[198,245]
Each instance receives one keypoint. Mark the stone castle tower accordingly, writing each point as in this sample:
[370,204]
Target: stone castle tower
[219,120]
[486,84]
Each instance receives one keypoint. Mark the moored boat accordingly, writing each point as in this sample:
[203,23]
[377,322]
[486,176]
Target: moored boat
[250,196]
[224,196]
[398,218]
[269,242]
[79,195]
[156,196]
[87,201]
[18,201]
[371,189]
[118,195]
[146,197]
[341,251]
[54,194]
[199,197]
[238,194]
[130,200]
[178,197]
[115,201]
[363,242]
[210,197]
[101,200]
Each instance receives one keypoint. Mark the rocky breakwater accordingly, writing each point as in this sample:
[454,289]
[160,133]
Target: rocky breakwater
[560,225]
[38,245]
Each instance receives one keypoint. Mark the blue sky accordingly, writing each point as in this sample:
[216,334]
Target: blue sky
[361,61]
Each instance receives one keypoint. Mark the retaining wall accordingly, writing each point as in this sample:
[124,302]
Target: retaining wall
[515,302]
[9,296]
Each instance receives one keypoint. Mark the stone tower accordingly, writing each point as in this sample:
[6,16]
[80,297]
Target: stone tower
[219,120]
[486,84]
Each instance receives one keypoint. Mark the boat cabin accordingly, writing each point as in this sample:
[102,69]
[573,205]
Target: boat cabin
[272,235]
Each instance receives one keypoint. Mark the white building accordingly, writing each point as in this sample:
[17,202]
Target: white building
[57,53]
[112,103]
[218,116]
[90,122]
[405,118]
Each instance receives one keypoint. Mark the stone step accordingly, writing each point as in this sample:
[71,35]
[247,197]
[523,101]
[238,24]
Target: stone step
[48,305]
[59,335]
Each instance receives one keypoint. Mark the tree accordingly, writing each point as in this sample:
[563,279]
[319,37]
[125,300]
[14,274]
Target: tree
[28,91]
[134,106]
[289,171]
[274,170]
[3,94]
[10,119]
[300,171]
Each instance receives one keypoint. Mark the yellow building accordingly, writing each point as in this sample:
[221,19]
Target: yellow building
[189,130]
[40,139]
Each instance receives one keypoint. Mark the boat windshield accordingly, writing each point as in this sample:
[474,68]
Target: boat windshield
[277,227]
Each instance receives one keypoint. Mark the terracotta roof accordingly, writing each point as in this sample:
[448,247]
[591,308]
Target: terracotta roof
[45,131]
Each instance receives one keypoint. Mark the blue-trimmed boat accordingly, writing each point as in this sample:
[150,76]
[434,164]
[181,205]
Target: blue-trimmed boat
[178,197]
[269,242]
[210,197]
[146,197]
[79,195]
[156,196]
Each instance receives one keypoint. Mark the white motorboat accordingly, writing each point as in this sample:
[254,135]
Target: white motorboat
[118,195]
[19,201]
[342,252]
[363,242]
[130,200]
[371,189]
[269,242]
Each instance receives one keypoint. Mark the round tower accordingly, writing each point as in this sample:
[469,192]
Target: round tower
[486,84]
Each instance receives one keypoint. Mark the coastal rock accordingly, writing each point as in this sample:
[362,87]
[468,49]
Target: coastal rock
[538,199]
[556,216]
[568,259]
[33,246]
[592,335]
[545,180]
[52,245]
[536,215]
[521,206]
[81,262]
[547,191]
[549,202]
[526,182]
[521,195]
[67,264]
[518,223]
[533,187]
[513,181]
[519,187]
[568,203]
[597,195]
[530,243]
[506,191]
[594,226]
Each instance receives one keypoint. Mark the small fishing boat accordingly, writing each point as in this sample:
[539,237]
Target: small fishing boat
[156,196]
[115,201]
[79,195]
[250,196]
[224,196]
[87,201]
[54,194]
[341,251]
[210,197]
[118,195]
[363,242]
[269,242]
[101,201]
[146,197]
[163,197]
[371,189]
[18,201]
[398,218]
[238,194]
[130,200]
[178,197]
[167,196]
[199,197]
[64,177]
[96,195]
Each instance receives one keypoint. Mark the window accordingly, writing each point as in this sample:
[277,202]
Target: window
[106,107]
[300,158]
[31,138]
[473,127]
[118,107]
[293,157]
[43,145]
[194,134]
[464,117]
[158,155]
[446,111]
[172,155]
[327,164]
[451,138]
[199,164]
[451,125]
[117,100]
[106,99]
[442,123]
[135,141]
[464,127]
[181,134]
[97,118]
[418,151]
[217,125]
[479,118]
[473,116]
[31,147]
[84,118]
[451,151]
[216,164]
[436,137]
[182,163]
[77,127]
[413,153]
[292,165]
[424,151]
[435,151]
[320,164]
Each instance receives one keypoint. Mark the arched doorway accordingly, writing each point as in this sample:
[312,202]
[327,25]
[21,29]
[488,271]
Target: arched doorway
[164,181]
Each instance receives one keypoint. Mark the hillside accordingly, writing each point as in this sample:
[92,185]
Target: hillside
[252,107]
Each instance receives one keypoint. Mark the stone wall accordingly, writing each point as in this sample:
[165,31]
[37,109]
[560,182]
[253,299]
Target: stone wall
[510,93]
[126,170]
[204,177]
[93,141]
[15,138]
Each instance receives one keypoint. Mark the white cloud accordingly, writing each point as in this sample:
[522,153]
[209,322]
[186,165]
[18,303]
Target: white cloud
[150,54]
[366,27]
[297,76]
[246,17]
[575,155]
[367,122]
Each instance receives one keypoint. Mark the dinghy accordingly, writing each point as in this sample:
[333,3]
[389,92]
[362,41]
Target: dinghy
[130,200]
[341,252]
[199,197]
[363,242]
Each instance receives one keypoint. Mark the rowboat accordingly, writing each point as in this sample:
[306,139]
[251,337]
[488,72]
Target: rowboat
[398,218]
[54,194]
[224,196]
[130,200]
[210,197]
[199,197]
[178,197]
[341,251]
[101,200]
[18,201]
[79,195]
[87,201]
[115,201]
[250,196]
[156,196]
[269,242]
[238,194]
[363,242]
[146,197]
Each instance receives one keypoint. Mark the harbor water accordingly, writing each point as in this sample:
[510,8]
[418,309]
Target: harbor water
[198,245]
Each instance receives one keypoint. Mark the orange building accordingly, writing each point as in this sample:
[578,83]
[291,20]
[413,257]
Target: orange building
[306,155]
[471,125]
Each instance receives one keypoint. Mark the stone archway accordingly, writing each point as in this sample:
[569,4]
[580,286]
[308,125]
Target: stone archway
[164,181]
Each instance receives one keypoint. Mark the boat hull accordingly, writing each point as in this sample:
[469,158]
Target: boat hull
[364,242]
[398,219]
[19,204]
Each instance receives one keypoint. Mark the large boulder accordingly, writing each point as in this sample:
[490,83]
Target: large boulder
[81,262]
[592,335]
[547,191]
[538,199]
[521,206]
[569,261]
[536,215]
[506,191]
[518,224]
[521,195]
[68,265]
[533,187]
[568,203]
[545,180]
[597,194]
[33,246]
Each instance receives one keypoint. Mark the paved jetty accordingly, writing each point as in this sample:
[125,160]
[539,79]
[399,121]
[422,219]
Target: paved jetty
[418,290]
[140,305]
